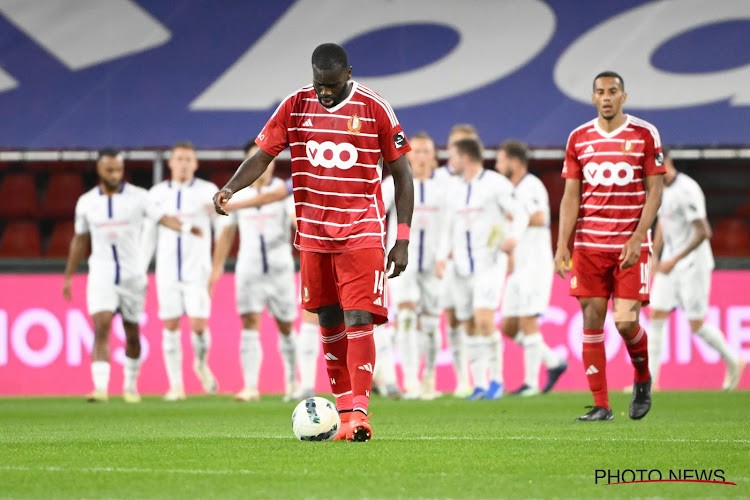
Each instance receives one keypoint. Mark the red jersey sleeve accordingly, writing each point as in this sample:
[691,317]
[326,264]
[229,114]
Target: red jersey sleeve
[391,137]
[571,166]
[274,138]
[653,158]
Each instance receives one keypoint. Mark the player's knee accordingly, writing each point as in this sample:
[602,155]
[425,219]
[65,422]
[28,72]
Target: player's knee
[172,324]
[509,327]
[358,318]
[626,328]
[658,314]
[330,315]
[695,324]
[251,321]
[529,324]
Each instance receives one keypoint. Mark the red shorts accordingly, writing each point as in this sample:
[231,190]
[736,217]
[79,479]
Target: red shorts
[355,280]
[598,274]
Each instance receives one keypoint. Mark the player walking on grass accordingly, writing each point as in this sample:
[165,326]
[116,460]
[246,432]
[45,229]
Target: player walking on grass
[337,130]
[529,285]
[683,276]
[110,217]
[183,266]
[613,184]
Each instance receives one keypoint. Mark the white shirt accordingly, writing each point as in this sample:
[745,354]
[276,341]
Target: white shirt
[682,203]
[476,222]
[426,223]
[183,256]
[535,245]
[265,233]
[114,223]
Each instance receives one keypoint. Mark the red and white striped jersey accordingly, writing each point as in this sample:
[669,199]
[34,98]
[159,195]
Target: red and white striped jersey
[335,171]
[612,168]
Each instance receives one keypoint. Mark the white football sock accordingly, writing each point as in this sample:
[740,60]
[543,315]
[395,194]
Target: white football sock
[308,347]
[478,357]
[431,340]
[518,338]
[385,368]
[456,339]
[100,375]
[201,345]
[130,373]
[548,356]
[715,338]
[251,356]
[655,343]
[532,358]
[494,345]
[287,349]
[408,347]
[171,347]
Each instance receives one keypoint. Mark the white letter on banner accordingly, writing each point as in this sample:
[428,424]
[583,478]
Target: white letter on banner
[626,43]
[80,336]
[738,330]
[19,337]
[496,29]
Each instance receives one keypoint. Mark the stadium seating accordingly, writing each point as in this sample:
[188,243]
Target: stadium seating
[555,187]
[59,241]
[19,197]
[62,193]
[221,177]
[731,237]
[21,240]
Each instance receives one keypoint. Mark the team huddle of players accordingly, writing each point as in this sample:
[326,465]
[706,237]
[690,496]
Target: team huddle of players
[475,239]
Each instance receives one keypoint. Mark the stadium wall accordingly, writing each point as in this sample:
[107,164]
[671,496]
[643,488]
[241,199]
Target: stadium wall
[45,343]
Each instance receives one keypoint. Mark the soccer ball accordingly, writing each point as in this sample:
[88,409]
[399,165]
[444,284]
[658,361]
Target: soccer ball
[315,419]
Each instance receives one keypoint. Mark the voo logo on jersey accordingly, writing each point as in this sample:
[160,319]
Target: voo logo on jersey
[608,173]
[331,155]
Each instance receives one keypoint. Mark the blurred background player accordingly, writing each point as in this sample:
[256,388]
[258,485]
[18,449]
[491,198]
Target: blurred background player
[264,275]
[307,343]
[183,266]
[337,130]
[529,285]
[456,335]
[417,291]
[110,218]
[613,184]
[683,276]
[479,236]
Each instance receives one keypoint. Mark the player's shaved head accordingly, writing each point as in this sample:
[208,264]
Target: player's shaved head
[610,74]
[469,147]
[516,149]
[330,56]
[107,152]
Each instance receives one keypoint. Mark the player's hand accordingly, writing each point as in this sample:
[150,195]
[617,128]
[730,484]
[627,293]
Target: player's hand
[666,266]
[398,257]
[220,200]
[194,230]
[508,245]
[631,251]
[440,269]
[66,291]
[562,257]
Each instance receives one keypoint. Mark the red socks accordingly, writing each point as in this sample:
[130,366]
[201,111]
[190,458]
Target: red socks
[595,364]
[361,362]
[350,362]
[638,349]
[335,351]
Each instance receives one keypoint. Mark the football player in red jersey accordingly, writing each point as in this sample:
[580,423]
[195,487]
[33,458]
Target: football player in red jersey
[613,184]
[337,130]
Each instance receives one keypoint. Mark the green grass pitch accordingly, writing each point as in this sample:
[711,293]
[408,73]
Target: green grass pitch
[213,447]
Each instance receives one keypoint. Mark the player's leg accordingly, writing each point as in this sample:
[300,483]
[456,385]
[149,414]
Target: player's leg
[131,308]
[429,327]
[406,336]
[456,333]
[488,291]
[251,356]
[663,299]
[198,307]
[308,348]
[694,291]
[282,306]
[476,357]
[510,325]
[170,312]
[100,368]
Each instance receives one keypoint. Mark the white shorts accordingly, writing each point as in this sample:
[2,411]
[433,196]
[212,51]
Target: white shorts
[421,288]
[687,288]
[177,298]
[276,290]
[127,298]
[446,286]
[481,290]
[527,292]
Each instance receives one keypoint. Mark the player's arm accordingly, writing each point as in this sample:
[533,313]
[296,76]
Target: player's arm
[271,196]
[248,171]
[78,246]
[221,250]
[176,224]
[632,249]
[518,220]
[569,207]
[702,233]
[537,219]
[404,194]
[658,246]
